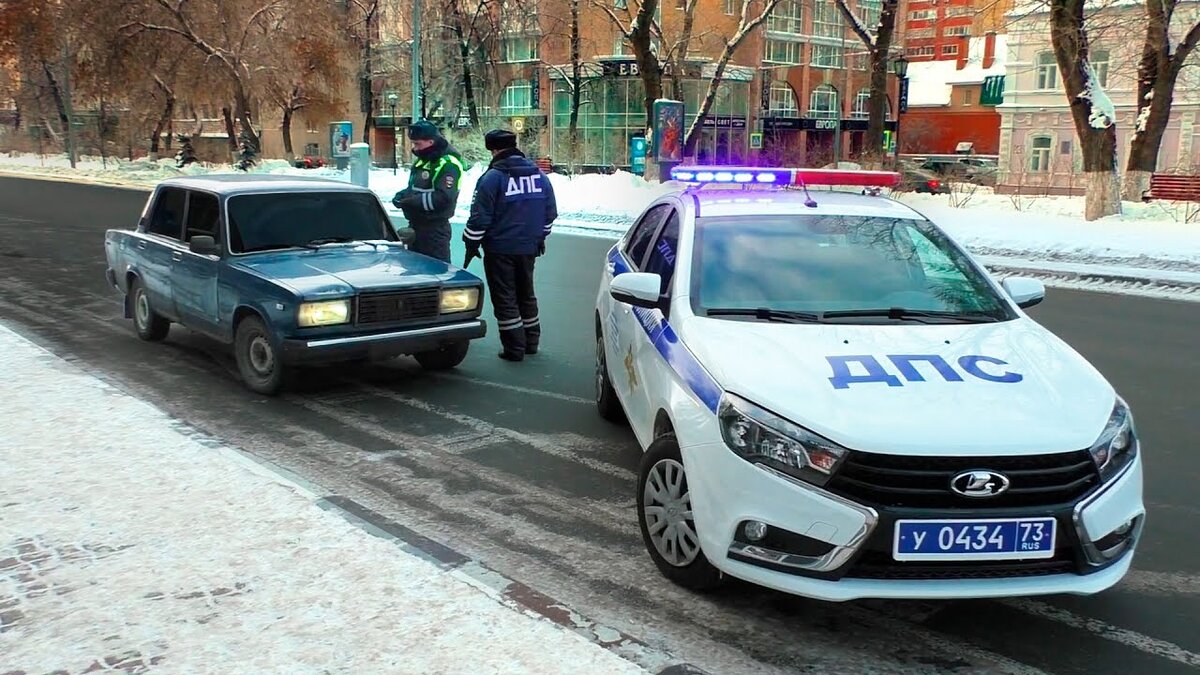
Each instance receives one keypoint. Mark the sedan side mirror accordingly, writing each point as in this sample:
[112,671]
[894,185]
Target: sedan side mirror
[639,289]
[1024,291]
[204,245]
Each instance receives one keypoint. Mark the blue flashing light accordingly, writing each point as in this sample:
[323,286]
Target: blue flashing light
[738,175]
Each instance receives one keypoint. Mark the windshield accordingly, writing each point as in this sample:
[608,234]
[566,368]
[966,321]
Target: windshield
[817,264]
[261,222]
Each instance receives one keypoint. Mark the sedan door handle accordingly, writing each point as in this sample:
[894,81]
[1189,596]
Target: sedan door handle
[176,256]
[141,244]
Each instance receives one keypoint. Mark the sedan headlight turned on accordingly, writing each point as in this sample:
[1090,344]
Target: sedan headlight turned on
[765,438]
[1117,444]
[324,313]
[459,300]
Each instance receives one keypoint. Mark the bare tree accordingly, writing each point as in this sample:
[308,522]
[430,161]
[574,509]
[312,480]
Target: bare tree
[640,28]
[1091,110]
[362,22]
[1158,73]
[746,25]
[879,47]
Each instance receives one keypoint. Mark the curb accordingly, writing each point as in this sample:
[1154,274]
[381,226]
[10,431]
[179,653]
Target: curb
[1180,289]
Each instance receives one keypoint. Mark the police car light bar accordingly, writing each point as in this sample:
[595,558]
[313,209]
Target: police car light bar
[750,175]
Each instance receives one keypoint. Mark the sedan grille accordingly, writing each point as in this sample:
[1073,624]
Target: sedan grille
[398,306]
[924,482]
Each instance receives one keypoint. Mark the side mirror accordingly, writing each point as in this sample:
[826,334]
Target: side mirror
[1024,291]
[639,289]
[204,245]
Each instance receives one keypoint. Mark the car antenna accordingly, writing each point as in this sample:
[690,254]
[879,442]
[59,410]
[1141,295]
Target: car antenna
[808,200]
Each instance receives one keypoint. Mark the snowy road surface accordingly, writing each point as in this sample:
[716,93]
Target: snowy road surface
[126,542]
[510,465]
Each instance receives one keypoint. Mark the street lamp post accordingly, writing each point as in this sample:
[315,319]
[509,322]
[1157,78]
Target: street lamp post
[900,68]
[392,99]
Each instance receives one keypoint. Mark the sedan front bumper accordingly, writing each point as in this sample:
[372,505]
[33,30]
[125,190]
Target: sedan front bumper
[378,346]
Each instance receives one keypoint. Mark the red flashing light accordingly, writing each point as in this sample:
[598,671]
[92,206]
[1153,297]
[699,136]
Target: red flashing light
[934,184]
[846,177]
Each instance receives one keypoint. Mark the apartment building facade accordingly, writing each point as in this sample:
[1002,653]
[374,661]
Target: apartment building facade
[1039,151]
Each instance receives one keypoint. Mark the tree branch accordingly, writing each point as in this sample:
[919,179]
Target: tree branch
[855,25]
[251,21]
[627,33]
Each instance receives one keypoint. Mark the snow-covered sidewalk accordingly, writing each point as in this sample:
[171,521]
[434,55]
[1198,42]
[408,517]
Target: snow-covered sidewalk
[126,544]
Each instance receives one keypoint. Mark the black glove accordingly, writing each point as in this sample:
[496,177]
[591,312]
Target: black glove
[472,253]
[541,248]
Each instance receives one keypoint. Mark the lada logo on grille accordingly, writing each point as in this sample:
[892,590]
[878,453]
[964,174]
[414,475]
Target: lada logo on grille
[979,483]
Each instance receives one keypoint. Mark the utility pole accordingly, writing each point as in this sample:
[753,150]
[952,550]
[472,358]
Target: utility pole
[67,105]
[416,60]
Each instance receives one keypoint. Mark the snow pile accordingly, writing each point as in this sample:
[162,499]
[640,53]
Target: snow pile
[1103,112]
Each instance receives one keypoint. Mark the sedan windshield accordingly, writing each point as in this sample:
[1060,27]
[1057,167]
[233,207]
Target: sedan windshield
[262,222]
[848,269]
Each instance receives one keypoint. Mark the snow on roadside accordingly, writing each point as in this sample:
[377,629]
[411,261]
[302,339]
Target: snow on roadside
[127,542]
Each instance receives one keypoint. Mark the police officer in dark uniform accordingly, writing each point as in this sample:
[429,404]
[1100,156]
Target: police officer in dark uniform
[432,193]
[511,214]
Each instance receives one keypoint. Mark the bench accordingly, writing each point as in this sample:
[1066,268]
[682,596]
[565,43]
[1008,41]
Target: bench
[1175,188]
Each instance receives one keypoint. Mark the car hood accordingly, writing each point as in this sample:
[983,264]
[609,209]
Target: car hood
[341,270]
[1053,400]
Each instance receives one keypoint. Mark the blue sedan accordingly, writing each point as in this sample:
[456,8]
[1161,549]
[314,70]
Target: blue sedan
[289,271]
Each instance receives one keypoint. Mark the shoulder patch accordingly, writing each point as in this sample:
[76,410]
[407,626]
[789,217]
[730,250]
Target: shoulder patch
[448,181]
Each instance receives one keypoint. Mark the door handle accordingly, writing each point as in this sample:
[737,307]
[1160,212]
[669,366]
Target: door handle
[141,244]
[176,256]
[610,267]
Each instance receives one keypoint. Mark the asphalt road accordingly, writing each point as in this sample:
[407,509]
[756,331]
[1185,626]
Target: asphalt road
[509,463]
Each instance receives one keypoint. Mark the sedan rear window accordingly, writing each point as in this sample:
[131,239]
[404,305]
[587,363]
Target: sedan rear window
[259,222]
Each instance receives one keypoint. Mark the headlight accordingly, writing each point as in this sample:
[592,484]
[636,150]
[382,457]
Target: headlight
[1117,443]
[762,437]
[459,299]
[324,313]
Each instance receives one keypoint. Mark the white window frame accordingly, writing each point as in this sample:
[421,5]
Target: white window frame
[1100,60]
[949,50]
[1040,158]
[956,31]
[827,19]
[827,56]
[787,17]
[512,102]
[869,13]
[1046,69]
[824,93]
[922,15]
[789,47]
[862,100]
[782,100]
[509,52]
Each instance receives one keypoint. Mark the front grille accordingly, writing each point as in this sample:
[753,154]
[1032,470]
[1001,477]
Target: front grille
[924,482]
[879,565]
[397,306]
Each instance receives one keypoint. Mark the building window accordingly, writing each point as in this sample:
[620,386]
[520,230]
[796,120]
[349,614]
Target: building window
[782,52]
[787,17]
[960,11]
[621,4]
[919,33]
[519,18]
[1047,71]
[517,98]
[517,49]
[956,31]
[1039,154]
[1099,61]
[822,102]
[861,104]
[730,7]
[949,50]
[827,19]
[783,101]
[968,97]
[926,50]
[922,15]
[824,56]
[869,12]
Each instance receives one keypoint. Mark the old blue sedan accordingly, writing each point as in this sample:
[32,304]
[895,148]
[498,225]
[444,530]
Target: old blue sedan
[288,271]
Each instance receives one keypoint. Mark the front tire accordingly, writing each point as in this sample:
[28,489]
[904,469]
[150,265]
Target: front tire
[150,326]
[445,357]
[665,516]
[607,403]
[257,358]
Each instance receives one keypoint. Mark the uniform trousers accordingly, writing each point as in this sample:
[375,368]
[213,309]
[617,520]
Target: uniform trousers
[510,284]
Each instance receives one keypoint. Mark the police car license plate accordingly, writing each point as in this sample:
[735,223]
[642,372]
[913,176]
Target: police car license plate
[978,539]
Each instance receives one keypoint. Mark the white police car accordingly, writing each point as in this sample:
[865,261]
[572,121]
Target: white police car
[836,401]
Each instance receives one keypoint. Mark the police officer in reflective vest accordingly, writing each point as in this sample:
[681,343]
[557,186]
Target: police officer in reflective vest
[511,214]
[432,193]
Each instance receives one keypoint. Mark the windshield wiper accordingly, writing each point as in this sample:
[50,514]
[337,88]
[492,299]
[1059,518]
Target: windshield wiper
[268,247]
[769,314]
[317,243]
[913,314]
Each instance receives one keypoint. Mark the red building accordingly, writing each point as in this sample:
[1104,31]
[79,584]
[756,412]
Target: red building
[952,104]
